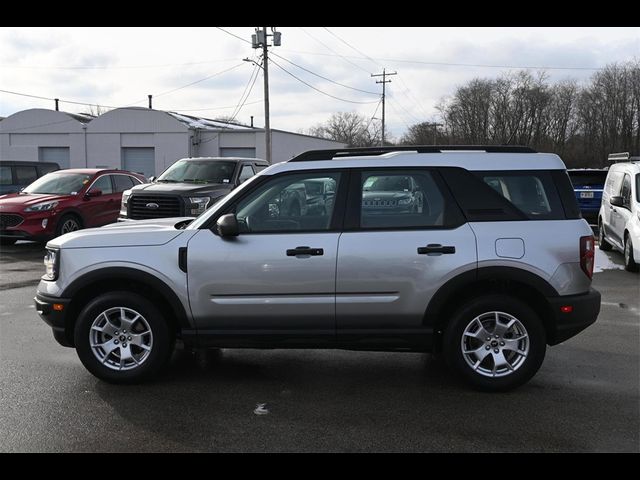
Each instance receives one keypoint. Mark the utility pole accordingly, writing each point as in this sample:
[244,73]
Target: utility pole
[435,130]
[384,80]
[261,39]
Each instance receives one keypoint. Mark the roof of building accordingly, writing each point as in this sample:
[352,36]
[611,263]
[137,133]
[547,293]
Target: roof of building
[207,123]
[81,117]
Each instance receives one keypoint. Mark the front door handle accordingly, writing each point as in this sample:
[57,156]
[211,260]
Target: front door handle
[293,252]
[435,249]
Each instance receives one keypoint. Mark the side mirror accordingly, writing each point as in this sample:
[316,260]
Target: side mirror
[227,225]
[152,178]
[94,192]
[617,201]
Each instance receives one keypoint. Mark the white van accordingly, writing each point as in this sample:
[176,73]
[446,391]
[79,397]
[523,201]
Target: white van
[619,217]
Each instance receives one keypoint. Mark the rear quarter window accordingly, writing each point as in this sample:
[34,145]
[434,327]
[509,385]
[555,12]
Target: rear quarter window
[533,193]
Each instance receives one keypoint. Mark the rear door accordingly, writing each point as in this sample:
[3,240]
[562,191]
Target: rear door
[404,237]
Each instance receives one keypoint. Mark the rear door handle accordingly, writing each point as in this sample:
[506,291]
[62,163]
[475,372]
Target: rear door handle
[435,249]
[292,252]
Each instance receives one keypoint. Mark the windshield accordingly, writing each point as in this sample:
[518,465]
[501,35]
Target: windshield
[198,171]
[59,183]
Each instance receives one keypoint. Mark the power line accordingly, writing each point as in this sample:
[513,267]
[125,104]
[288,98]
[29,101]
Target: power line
[234,35]
[198,81]
[374,114]
[352,47]
[413,98]
[115,67]
[324,78]
[210,108]
[241,102]
[316,89]
[61,100]
[446,64]
[409,114]
[331,49]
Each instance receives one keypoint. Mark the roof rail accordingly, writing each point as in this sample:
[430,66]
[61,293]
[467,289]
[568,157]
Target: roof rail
[623,157]
[313,155]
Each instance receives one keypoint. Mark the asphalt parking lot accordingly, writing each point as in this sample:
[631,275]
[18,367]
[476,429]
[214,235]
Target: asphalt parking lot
[585,398]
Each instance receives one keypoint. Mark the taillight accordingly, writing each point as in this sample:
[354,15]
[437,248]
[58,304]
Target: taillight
[587,255]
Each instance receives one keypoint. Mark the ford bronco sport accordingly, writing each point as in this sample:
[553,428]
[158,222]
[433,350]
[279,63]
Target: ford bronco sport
[492,265]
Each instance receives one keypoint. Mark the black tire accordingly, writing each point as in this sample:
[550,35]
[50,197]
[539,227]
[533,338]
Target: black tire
[67,221]
[5,242]
[630,264]
[453,343]
[162,335]
[602,241]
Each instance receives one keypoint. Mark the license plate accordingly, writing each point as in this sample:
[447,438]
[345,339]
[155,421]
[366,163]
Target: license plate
[586,194]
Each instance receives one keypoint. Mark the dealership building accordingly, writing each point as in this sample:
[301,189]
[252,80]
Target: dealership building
[139,139]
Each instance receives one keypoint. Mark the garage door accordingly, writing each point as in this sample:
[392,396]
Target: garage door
[59,155]
[238,152]
[139,160]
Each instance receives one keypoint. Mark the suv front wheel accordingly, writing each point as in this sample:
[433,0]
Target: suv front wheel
[495,343]
[121,337]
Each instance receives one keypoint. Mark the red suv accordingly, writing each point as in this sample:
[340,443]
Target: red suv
[64,201]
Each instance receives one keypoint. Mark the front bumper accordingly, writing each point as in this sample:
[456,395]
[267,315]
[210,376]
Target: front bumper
[585,310]
[56,319]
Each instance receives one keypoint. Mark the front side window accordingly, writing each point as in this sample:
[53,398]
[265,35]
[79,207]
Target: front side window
[625,191]
[401,199]
[638,188]
[198,171]
[59,183]
[284,204]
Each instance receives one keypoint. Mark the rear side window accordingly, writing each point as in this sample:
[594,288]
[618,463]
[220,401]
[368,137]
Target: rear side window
[404,199]
[45,168]
[122,182]
[26,175]
[5,176]
[493,196]
[533,193]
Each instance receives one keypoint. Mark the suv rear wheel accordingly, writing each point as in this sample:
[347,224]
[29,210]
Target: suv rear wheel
[495,343]
[121,337]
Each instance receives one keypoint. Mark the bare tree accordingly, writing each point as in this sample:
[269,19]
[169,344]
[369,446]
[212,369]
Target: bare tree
[349,127]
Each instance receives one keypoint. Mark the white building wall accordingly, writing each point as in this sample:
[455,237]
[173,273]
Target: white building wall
[22,133]
[286,145]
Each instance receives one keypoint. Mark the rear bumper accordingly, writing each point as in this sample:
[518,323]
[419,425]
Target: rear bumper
[585,310]
[56,319]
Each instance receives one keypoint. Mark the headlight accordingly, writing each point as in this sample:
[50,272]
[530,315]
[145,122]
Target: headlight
[51,264]
[404,201]
[41,207]
[200,204]
[125,197]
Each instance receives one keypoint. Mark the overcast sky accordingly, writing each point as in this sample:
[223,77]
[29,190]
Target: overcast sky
[119,66]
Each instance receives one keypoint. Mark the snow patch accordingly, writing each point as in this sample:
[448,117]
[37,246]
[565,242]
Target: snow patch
[607,261]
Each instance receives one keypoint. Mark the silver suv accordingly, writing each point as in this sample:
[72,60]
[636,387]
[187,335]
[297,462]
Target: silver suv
[477,253]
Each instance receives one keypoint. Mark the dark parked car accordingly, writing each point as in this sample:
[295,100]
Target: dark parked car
[64,201]
[588,185]
[188,187]
[15,175]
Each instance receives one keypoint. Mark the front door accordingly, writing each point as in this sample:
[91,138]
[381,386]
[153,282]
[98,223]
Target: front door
[278,274]
[408,238]
[102,209]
